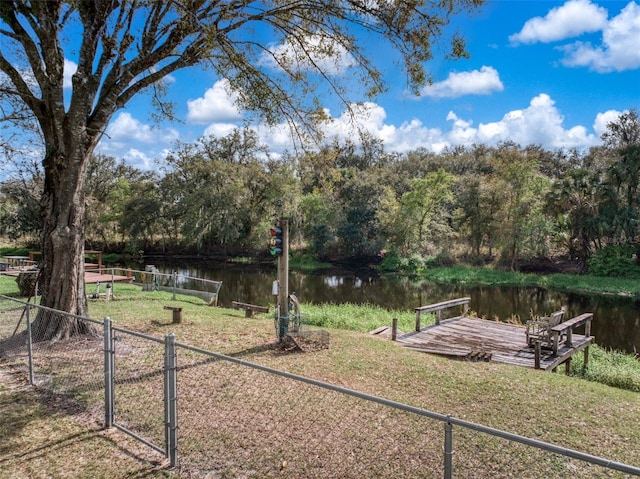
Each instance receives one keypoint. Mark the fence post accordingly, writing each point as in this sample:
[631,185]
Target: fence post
[108,374]
[171,398]
[448,449]
[30,341]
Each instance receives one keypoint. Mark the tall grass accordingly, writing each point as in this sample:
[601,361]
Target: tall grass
[610,367]
[362,318]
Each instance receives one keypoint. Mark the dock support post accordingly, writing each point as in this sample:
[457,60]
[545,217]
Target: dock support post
[418,320]
[538,353]
[394,329]
[567,366]
[586,357]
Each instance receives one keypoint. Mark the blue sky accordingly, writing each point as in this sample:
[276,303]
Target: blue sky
[541,72]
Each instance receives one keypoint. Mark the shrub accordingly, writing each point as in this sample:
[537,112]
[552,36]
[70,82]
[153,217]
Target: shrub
[615,261]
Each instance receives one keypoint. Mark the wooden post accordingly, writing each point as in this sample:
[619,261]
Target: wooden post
[567,366]
[283,281]
[177,313]
[438,316]
[394,329]
[537,355]
[418,320]
[586,357]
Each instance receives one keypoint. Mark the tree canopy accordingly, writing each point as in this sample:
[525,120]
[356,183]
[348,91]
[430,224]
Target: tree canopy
[124,47]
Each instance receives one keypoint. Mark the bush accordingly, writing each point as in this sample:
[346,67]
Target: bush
[615,261]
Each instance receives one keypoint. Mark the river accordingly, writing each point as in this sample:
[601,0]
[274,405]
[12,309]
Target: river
[616,321]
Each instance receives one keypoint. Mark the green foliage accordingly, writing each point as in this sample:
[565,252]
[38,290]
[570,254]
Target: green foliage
[610,367]
[304,261]
[393,262]
[615,260]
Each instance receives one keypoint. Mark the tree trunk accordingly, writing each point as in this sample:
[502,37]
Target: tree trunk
[62,245]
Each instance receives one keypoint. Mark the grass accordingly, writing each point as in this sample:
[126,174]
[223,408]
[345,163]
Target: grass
[556,282]
[568,411]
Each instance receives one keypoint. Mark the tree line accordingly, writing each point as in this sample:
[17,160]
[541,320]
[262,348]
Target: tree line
[504,203]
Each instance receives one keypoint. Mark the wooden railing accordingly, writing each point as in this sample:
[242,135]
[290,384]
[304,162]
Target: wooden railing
[566,329]
[439,307]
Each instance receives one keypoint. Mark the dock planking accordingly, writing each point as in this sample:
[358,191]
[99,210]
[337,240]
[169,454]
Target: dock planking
[464,337]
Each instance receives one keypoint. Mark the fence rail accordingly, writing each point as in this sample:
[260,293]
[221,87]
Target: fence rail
[212,414]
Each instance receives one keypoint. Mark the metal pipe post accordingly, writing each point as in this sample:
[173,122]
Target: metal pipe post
[171,399]
[30,340]
[108,374]
[448,449]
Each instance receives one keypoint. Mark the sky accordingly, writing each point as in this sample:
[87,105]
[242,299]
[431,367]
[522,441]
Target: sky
[549,73]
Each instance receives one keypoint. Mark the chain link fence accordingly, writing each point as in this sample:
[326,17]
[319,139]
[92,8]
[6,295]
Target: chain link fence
[216,416]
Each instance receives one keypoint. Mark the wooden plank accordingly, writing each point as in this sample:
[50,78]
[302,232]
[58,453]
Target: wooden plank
[253,307]
[573,323]
[443,305]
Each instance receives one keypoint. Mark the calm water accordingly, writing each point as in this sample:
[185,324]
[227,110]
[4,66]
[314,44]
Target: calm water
[616,320]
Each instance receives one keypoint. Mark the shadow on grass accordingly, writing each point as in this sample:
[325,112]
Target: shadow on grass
[22,404]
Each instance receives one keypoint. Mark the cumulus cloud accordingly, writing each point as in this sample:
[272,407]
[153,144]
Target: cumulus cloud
[603,119]
[477,82]
[217,105]
[620,49]
[126,136]
[125,127]
[220,130]
[572,19]
[138,159]
[320,52]
[539,123]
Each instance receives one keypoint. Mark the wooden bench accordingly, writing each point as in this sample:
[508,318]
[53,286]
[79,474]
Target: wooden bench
[177,313]
[438,307]
[249,309]
[540,329]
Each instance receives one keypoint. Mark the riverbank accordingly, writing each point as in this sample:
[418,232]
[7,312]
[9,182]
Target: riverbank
[561,282]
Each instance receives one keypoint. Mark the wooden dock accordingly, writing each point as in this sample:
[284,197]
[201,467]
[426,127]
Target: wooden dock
[90,276]
[482,340]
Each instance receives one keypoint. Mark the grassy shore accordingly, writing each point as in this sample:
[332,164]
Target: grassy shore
[557,282]
[584,415]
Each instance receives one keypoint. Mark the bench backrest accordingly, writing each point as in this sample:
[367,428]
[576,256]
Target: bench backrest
[556,318]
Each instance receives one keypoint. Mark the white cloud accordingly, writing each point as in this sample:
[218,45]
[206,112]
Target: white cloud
[126,128]
[320,52]
[138,159]
[620,49]
[220,130]
[217,105]
[69,69]
[603,119]
[126,136]
[572,19]
[540,123]
[476,82]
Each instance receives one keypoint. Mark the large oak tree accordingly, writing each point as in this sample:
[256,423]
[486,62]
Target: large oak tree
[123,47]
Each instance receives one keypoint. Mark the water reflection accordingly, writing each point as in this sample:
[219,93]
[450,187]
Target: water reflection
[616,320]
